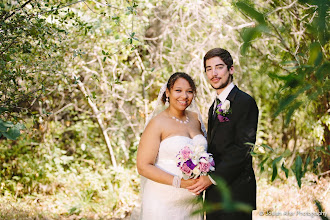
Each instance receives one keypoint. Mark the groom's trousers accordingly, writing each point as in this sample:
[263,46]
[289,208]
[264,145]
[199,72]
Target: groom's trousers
[230,216]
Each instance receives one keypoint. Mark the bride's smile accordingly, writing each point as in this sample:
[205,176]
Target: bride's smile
[185,103]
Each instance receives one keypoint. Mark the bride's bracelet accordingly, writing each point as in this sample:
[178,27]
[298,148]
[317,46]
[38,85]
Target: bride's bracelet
[176,182]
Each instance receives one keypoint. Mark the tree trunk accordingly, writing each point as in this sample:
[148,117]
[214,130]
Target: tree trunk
[99,120]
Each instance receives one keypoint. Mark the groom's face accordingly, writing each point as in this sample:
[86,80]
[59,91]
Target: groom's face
[218,74]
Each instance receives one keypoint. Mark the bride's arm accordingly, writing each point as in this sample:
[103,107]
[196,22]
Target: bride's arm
[147,154]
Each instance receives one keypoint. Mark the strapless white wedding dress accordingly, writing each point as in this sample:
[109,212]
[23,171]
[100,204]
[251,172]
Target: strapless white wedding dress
[165,202]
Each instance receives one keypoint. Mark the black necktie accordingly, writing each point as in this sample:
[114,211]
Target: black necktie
[217,102]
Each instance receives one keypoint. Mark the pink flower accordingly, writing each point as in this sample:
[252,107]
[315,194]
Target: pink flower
[204,167]
[185,152]
[186,169]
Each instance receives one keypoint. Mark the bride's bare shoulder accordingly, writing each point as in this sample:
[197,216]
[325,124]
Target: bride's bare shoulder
[157,121]
[194,115]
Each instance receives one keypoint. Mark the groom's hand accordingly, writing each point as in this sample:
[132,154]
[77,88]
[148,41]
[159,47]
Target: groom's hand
[202,184]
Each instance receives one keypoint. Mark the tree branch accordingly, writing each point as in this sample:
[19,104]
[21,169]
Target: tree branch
[98,118]
[281,8]
[272,61]
[73,3]
[17,10]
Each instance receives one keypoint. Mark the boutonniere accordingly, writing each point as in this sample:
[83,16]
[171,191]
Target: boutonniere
[222,110]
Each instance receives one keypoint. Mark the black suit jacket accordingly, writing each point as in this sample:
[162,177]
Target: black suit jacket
[227,142]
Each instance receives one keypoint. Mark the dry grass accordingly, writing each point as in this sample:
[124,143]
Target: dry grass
[277,197]
[102,194]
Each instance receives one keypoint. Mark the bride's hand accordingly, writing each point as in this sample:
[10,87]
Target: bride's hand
[187,183]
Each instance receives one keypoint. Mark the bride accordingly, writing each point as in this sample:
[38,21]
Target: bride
[164,192]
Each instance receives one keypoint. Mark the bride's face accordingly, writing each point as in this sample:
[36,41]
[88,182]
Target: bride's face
[181,94]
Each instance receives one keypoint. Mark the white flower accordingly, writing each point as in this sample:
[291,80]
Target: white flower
[204,154]
[199,149]
[196,171]
[225,106]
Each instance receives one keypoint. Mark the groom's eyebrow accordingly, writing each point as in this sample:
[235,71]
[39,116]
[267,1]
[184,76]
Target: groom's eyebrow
[220,64]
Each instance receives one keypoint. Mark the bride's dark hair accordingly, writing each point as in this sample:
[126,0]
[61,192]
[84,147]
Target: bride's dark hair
[173,79]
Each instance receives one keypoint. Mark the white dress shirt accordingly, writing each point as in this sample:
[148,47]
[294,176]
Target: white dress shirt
[224,94]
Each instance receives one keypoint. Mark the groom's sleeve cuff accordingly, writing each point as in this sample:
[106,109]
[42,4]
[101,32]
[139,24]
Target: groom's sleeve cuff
[212,180]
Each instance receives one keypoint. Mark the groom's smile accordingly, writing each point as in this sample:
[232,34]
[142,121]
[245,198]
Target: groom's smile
[215,79]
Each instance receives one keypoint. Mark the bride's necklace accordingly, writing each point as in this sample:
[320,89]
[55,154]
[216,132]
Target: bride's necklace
[178,120]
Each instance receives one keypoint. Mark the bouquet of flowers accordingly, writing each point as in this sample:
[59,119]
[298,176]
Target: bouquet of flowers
[194,162]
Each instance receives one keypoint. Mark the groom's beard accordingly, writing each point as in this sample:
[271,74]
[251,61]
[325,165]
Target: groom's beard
[223,85]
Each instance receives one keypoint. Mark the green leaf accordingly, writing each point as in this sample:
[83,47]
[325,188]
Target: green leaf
[94,94]
[290,98]
[7,124]
[3,128]
[266,146]
[2,109]
[275,167]
[316,162]
[306,164]
[249,34]
[12,134]
[291,110]
[19,126]
[251,12]
[253,154]
[298,170]
[286,171]
[323,71]
[262,168]
[315,54]
[321,210]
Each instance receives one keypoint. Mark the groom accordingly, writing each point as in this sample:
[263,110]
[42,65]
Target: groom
[232,123]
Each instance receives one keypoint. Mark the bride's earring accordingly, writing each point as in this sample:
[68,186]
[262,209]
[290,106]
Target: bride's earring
[167,103]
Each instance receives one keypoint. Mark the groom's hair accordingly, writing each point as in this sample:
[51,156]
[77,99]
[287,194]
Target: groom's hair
[223,54]
[172,80]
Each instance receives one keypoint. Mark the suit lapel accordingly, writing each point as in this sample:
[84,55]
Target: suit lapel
[216,123]
[210,122]
[232,94]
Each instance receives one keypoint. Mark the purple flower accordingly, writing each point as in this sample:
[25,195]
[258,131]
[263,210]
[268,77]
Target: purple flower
[222,118]
[219,108]
[190,164]
[212,163]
